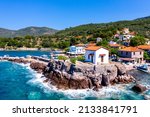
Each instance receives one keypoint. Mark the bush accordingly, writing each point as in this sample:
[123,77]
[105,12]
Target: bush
[62,58]
[80,58]
[66,49]
[114,51]
[73,60]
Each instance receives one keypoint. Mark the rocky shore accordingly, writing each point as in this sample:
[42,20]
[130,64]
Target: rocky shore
[65,75]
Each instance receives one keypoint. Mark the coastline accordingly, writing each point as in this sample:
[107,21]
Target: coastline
[109,92]
[26,49]
[83,77]
[29,49]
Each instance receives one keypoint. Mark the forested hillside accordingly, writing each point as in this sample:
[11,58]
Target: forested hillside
[74,35]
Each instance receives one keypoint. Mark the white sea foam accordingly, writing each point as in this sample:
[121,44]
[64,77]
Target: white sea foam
[105,92]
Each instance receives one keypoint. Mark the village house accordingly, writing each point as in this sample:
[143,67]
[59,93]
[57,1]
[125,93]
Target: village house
[96,55]
[98,39]
[77,49]
[125,37]
[126,34]
[90,44]
[144,47]
[131,54]
[112,42]
[115,46]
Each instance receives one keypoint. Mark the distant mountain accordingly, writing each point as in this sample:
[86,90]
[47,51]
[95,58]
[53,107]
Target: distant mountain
[6,32]
[33,31]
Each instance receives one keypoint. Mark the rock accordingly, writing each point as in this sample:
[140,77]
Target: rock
[40,67]
[79,83]
[19,60]
[121,69]
[105,80]
[83,77]
[139,88]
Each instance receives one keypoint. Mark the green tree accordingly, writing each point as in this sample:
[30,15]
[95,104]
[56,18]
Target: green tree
[73,41]
[103,43]
[114,51]
[64,44]
[137,40]
[146,55]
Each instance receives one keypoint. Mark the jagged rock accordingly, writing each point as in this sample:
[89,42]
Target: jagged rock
[121,69]
[105,80]
[40,67]
[78,83]
[139,88]
[83,76]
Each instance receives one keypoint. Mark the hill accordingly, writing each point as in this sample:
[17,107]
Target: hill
[140,25]
[51,38]
[33,31]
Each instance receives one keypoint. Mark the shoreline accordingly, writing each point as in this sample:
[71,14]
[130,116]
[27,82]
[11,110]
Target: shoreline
[115,91]
[30,49]
[82,79]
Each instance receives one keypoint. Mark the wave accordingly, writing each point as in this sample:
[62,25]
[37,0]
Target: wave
[118,91]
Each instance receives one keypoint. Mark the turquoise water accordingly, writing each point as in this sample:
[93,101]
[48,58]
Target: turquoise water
[19,82]
[24,53]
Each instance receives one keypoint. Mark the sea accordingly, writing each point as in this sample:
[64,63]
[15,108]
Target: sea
[20,82]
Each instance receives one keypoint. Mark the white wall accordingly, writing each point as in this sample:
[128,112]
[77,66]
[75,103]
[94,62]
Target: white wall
[97,58]
[80,50]
[77,50]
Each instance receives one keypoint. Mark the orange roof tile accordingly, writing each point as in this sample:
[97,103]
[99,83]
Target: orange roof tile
[91,44]
[114,45]
[131,49]
[93,48]
[80,45]
[144,47]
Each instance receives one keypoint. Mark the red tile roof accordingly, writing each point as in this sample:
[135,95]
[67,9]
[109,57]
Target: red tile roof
[144,47]
[93,48]
[91,44]
[131,49]
[114,45]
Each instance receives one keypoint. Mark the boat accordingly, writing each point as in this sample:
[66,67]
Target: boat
[145,68]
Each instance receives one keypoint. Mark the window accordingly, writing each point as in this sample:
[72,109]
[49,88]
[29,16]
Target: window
[126,53]
[102,59]
[121,52]
[140,53]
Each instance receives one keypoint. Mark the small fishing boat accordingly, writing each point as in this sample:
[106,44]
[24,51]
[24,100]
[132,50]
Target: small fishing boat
[145,68]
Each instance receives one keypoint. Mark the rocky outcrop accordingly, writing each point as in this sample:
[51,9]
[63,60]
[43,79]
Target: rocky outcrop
[121,69]
[82,76]
[38,66]
[86,78]
[139,88]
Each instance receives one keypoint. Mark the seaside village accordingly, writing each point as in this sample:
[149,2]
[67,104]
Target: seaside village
[88,66]
[90,53]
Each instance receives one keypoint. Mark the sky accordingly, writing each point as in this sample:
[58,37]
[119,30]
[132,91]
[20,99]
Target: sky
[61,14]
